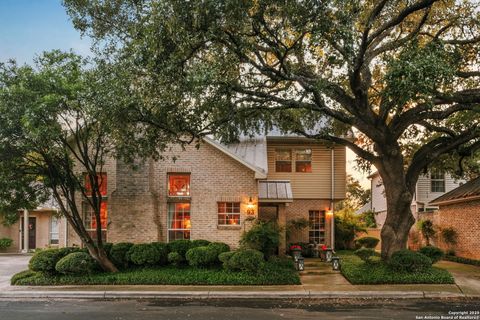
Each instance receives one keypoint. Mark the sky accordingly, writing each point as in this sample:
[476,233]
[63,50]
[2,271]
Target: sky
[29,27]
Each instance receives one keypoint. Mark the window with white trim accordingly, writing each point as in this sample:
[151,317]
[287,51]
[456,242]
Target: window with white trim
[54,230]
[228,213]
[316,232]
[179,224]
[437,181]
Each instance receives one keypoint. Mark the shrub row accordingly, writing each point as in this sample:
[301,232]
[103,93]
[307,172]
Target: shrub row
[462,260]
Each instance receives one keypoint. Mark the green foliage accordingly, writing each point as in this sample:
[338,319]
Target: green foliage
[356,196]
[284,262]
[247,260]
[5,243]
[368,219]
[45,260]
[175,258]
[449,236]
[199,243]
[427,229]
[295,225]
[118,254]
[357,272]
[347,226]
[76,263]
[219,247]
[262,236]
[148,254]
[225,256]
[167,275]
[180,246]
[409,261]
[367,242]
[462,260]
[435,254]
[365,254]
[202,257]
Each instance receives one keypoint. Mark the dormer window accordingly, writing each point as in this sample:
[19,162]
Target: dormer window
[283,160]
[303,160]
[179,185]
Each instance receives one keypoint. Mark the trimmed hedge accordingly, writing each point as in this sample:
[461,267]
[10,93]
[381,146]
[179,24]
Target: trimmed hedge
[199,243]
[118,254]
[76,263]
[378,272]
[175,258]
[409,261]
[462,260]
[367,242]
[148,254]
[284,262]
[45,260]
[246,260]
[365,254]
[202,257]
[167,275]
[225,256]
[435,254]
[179,246]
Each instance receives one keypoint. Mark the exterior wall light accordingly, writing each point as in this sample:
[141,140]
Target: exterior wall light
[250,208]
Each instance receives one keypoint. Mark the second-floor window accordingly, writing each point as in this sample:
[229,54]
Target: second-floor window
[437,181]
[179,185]
[283,160]
[303,160]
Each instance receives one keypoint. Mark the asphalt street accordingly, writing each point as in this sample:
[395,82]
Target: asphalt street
[239,309]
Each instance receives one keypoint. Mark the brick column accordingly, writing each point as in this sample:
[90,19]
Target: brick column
[282,222]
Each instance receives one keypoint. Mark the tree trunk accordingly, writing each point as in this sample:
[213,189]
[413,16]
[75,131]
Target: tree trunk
[101,257]
[399,219]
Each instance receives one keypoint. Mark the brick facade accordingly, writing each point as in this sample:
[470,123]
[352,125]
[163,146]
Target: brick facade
[464,217]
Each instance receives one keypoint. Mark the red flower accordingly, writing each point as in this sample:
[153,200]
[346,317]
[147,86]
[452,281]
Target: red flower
[295,247]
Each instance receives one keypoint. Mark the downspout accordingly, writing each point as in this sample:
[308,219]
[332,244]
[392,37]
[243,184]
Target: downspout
[332,194]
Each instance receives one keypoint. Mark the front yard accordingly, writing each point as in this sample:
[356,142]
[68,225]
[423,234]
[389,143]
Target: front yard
[358,272]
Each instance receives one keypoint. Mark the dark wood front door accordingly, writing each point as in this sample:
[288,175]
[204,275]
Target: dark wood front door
[32,230]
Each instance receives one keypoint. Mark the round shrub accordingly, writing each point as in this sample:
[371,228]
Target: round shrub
[175,258]
[76,263]
[147,254]
[365,254]
[202,257]
[435,254]
[219,247]
[409,261]
[5,243]
[118,254]
[163,252]
[225,256]
[367,242]
[45,260]
[199,243]
[248,260]
[284,262]
[179,246]
[262,236]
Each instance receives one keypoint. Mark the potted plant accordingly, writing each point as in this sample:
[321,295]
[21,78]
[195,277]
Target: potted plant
[296,251]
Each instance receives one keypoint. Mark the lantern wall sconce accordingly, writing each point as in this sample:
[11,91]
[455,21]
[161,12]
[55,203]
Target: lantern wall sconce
[250,208]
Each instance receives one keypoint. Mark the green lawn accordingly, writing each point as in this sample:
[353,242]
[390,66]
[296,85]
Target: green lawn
[169,275]
[358,272]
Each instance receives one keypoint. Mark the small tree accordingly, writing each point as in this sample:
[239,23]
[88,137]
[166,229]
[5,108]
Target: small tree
[450,237]
[427,229]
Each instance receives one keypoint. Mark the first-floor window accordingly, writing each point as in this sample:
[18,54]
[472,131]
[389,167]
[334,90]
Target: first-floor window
[228,213]
[54,230]
[91,222]
[316,232]
[179,224]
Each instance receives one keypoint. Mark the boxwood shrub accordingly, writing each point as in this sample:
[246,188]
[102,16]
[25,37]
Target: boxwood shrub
[435,254]
[148,254]
[367,242]
[225,256]
[179,246]
[45,260]
[199,243]
[118,254]
[248,260]
[5,243]
[175,258]
[202,256]
[365,254]
[409,261]
[76,263]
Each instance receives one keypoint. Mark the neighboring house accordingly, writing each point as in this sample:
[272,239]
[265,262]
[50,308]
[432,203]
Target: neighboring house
[42,228]
[429,186]
[214,192]
[460,210]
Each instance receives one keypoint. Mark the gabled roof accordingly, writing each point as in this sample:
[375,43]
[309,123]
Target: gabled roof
[466,192]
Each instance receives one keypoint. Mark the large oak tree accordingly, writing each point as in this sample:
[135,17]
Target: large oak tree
[403,74]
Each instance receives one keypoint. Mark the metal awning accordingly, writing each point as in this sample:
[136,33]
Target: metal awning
[275,191]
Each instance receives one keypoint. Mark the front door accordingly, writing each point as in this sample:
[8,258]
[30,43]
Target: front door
[268,212]
[32,237]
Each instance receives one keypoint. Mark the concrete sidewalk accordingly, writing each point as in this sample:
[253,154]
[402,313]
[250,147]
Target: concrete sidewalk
[318,281]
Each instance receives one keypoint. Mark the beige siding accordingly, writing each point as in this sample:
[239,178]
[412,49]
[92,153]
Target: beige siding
[424,192]
[316,184]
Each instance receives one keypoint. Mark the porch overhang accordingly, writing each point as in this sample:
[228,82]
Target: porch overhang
[275,191]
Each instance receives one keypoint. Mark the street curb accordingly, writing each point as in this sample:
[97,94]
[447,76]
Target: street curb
[125,295]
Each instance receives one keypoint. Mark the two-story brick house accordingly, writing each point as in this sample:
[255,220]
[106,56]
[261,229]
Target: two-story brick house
[212,191]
